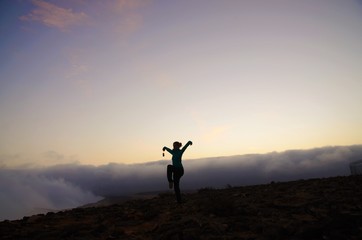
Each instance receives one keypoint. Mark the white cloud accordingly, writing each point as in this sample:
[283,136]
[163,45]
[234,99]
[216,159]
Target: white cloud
[52,15]
[121,15]
[24,193]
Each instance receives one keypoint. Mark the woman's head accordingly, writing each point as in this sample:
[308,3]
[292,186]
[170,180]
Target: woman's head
[177,145]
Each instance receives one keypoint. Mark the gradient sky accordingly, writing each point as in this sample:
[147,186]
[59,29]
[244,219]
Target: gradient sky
[115,80]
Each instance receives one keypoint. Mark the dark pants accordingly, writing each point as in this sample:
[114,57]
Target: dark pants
[173,175]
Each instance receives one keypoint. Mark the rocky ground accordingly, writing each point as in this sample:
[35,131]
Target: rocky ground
[329,208]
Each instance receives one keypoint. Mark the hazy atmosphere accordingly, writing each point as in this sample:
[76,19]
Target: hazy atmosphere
[91,91]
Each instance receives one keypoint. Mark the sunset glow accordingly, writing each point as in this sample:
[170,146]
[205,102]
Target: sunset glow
[95,82]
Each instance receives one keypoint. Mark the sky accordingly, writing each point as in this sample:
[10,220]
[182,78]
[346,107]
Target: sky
[113,81]
[91,91]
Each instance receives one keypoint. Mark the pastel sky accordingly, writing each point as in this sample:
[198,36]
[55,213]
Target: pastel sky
[95,82]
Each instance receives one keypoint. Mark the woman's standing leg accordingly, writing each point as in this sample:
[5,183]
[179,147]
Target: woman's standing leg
[178,173]
[169,175]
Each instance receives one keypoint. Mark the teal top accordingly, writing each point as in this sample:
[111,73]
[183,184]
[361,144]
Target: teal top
[177,155]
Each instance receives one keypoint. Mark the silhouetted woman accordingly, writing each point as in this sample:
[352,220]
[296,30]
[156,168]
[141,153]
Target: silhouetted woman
[176,170]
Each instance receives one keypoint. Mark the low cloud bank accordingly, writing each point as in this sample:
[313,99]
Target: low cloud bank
[23,191]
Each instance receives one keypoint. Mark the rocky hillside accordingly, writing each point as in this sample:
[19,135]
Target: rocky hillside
[329,208]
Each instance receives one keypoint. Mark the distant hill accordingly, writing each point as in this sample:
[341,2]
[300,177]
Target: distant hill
[327,208]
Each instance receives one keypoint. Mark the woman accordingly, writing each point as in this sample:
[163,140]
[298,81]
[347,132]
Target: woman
[176,170]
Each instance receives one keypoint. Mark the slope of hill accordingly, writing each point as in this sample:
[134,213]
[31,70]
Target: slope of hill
[329,208]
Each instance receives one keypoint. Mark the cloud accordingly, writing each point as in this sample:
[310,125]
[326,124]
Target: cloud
[209,133]
[71,185]
[25,193]
[122,15]
[215,133]
[12,160]
[52,157]
[54,16]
